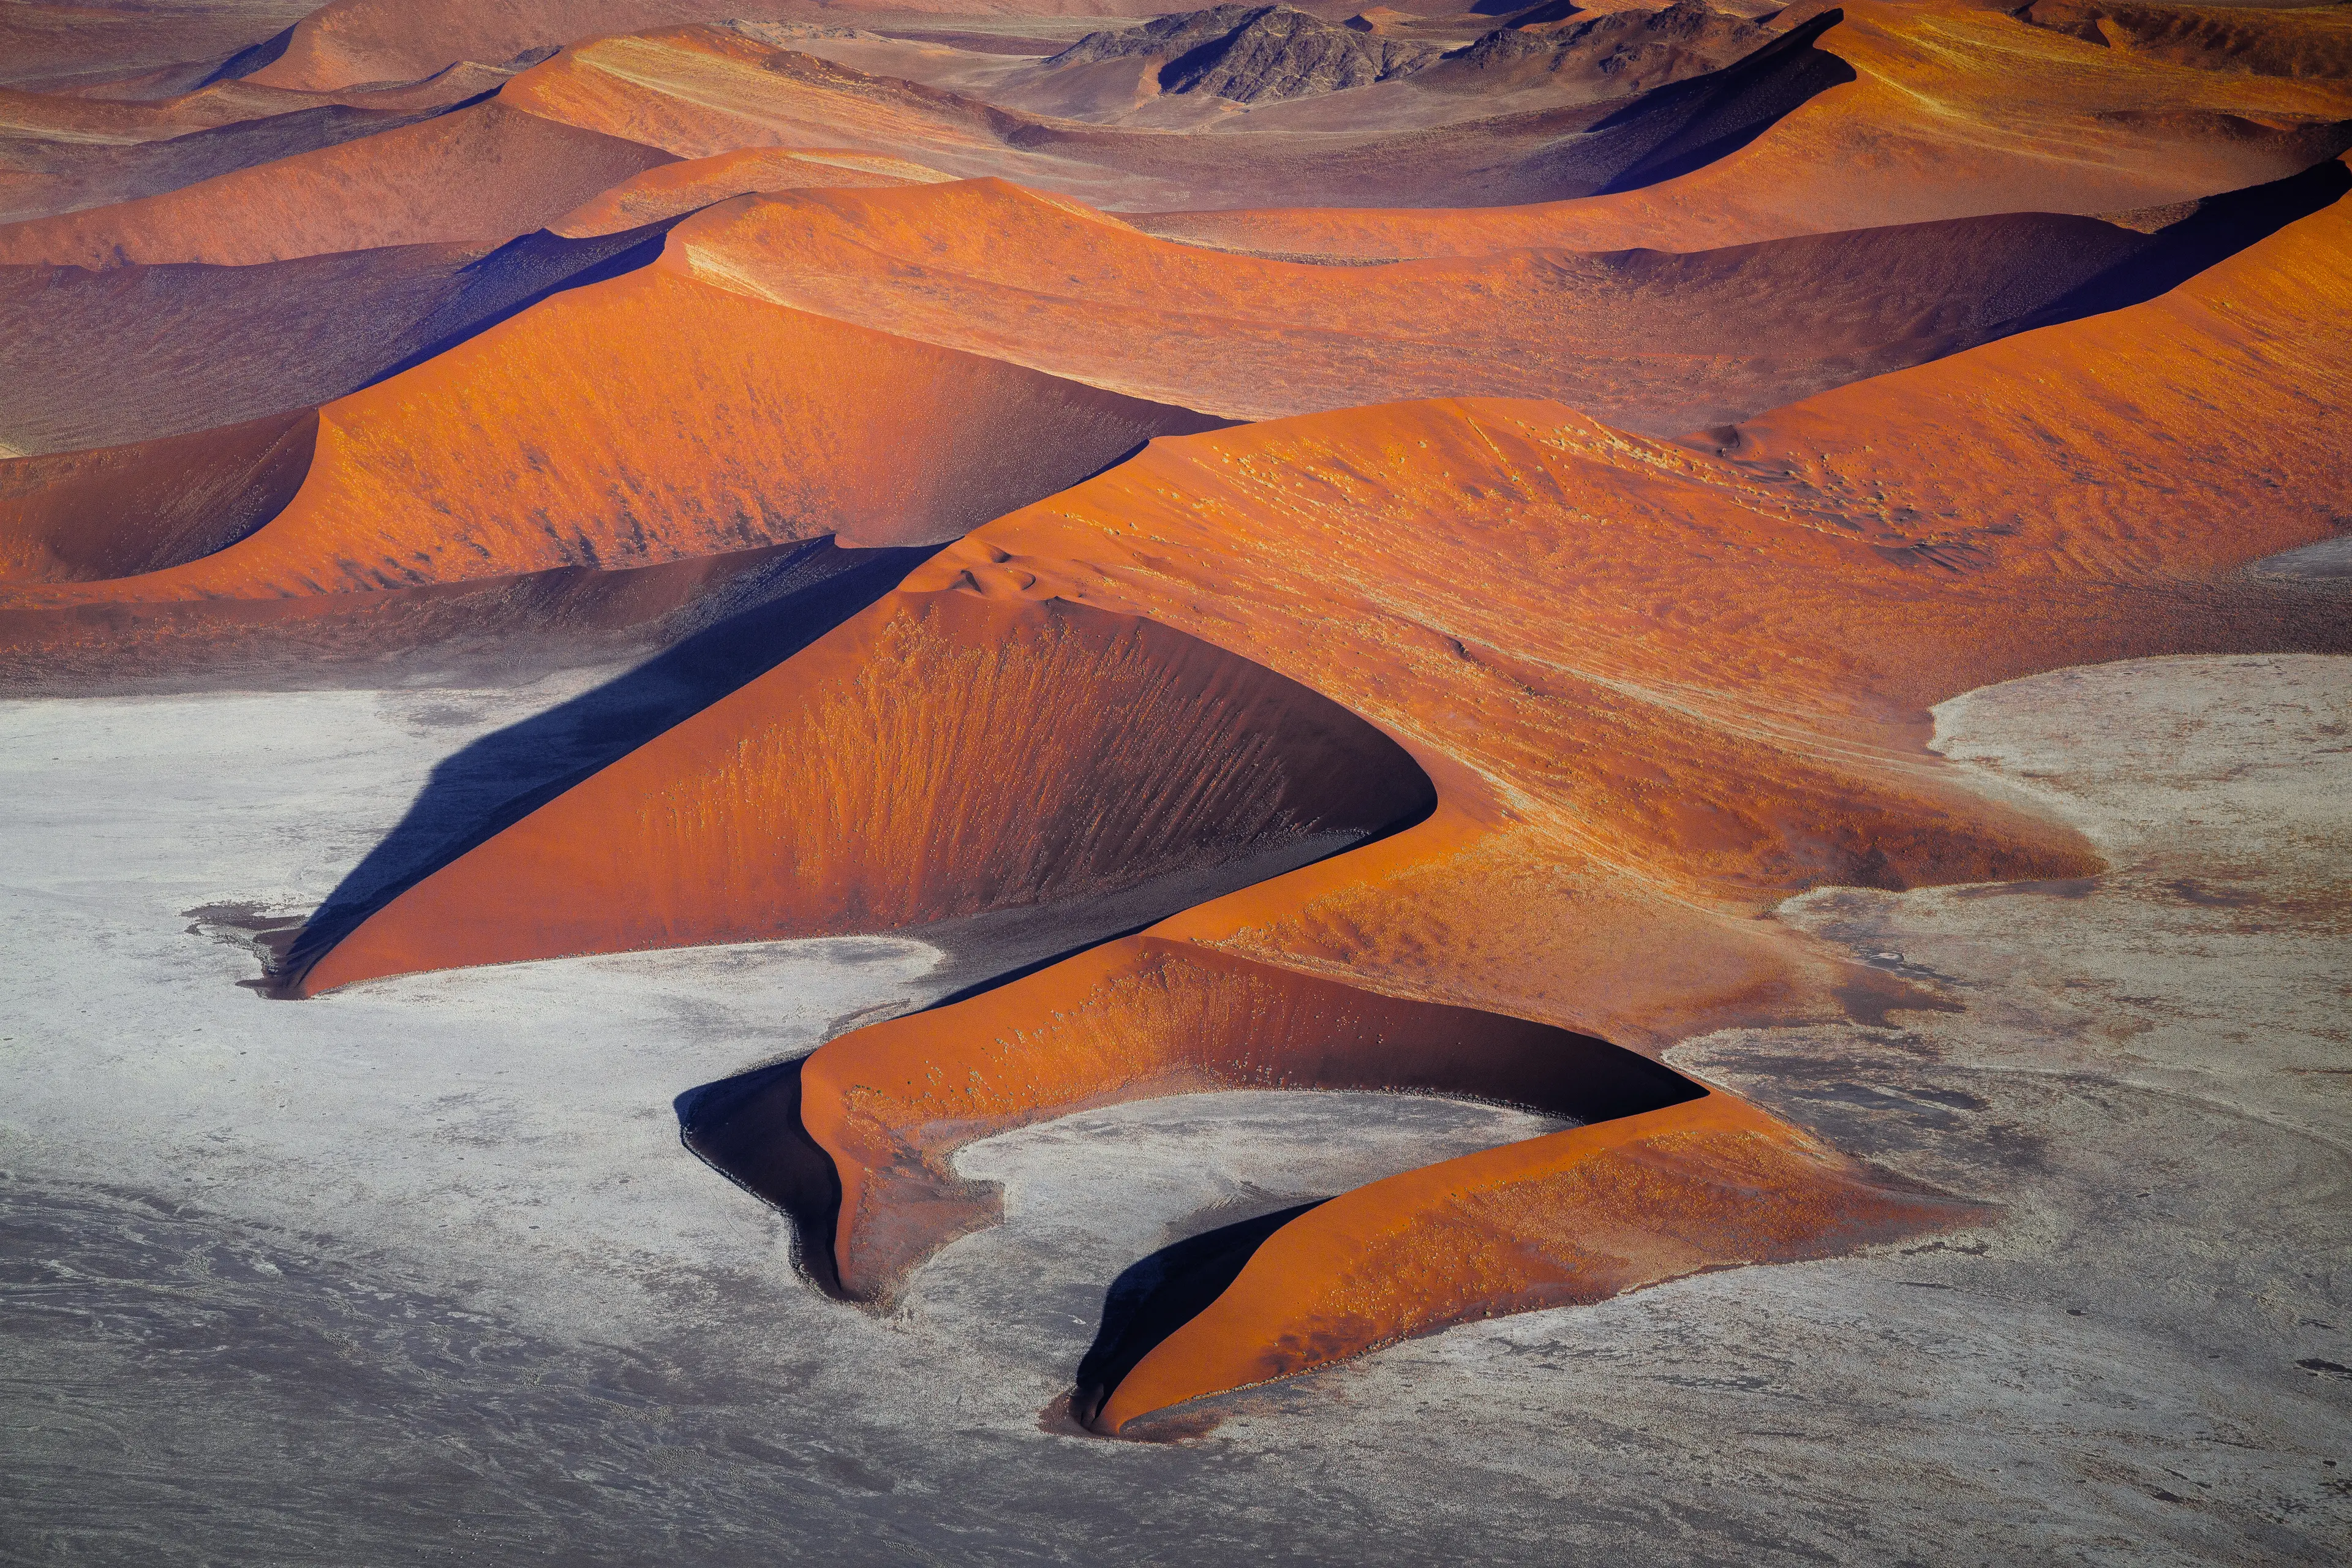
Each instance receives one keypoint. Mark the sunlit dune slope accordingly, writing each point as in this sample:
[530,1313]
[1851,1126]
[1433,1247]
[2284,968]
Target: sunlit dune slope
[1955,112]
[648,418]
[1658,687]
[481,174]
[1647,341]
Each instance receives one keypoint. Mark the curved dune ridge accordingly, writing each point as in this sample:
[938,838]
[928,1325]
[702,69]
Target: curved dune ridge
[1658,412]
[1633,770]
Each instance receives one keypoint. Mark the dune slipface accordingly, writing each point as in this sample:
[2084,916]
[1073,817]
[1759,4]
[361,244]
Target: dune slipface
[937,758]
[1627,777]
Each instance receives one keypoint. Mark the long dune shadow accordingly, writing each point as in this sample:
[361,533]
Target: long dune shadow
[2215,229]
[495,782]
[1676,128]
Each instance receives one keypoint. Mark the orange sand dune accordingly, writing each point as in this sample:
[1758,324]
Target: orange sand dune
[648,418]
[1647,341]
[399,40]
[673,189]
[1956,111]
[483,173]
[1658,687]
[1081,753]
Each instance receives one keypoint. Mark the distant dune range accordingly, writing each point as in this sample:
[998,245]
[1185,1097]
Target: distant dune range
[1661,409]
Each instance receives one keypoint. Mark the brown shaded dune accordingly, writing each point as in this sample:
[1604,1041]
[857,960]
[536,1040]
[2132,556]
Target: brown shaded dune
[116,512]
[130,354]
[1628,777]
[1645,340]
[1955,111]
[52,47]
[481,174]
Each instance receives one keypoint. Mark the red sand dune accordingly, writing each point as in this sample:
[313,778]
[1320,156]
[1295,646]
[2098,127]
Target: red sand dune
[64,154]
[700,91]
[46,46]
[1956,111]
[1610,696]
[1703,691]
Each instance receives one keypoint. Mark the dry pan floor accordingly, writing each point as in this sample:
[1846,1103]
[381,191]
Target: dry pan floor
[419,1271]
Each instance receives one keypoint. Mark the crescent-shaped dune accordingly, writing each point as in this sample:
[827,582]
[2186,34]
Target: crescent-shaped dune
[1626,777]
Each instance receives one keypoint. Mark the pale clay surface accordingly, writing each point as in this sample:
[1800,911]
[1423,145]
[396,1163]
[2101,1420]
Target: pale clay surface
[420,1270]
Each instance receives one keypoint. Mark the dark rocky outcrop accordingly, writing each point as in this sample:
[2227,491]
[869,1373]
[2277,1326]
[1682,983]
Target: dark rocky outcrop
[1624,52]
[1255,54]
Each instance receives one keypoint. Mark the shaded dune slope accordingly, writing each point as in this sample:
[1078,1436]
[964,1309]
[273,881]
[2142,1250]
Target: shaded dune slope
[1626,778]
[120,511]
